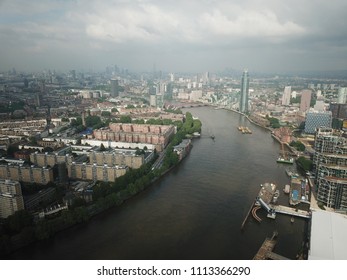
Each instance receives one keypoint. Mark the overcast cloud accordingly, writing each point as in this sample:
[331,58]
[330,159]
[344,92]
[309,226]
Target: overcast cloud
[201,35]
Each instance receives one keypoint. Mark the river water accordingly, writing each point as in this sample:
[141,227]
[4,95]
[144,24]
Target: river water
[195,211]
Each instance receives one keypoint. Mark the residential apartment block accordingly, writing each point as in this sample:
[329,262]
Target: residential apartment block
[158,135]
[84,171]
[330,163]
[26,173]
[11,199]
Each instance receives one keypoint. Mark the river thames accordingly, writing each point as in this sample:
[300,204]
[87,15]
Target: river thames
[195,211]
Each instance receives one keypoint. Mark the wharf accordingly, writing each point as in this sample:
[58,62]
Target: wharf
[291,211]
[265,251]
[266,192]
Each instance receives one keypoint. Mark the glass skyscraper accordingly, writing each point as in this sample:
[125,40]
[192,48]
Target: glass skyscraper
[244,92]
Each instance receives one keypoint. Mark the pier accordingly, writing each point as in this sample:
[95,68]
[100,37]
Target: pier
[249,211]
[265,251]
[291,211]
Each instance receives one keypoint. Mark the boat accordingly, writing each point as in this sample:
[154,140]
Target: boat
[292,219]
[288,160]
[212,136]
[289,172]
[276,195]
[286,189]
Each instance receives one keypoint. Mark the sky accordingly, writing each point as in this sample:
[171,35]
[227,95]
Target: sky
[174,36]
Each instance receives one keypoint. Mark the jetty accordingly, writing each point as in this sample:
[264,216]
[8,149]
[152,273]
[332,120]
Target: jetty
[249,211]
[265,252]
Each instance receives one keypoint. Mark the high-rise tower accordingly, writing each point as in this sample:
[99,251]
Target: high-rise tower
[244,92]
[305,100]
[114,88]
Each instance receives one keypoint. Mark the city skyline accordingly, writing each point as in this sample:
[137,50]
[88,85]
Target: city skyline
[267,36]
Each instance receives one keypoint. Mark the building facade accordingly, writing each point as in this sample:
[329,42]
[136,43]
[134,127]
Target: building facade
[11,199]
[305,100]
[26,173]
[114,88]
[158,135]
[315,120]
[94,172]
[342,95]
[286,95]
[330,165]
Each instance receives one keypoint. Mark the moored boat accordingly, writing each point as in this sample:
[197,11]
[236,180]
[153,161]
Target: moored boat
[289,160]
[275,196]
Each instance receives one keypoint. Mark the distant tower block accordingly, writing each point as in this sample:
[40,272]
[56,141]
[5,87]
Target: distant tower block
[114,88]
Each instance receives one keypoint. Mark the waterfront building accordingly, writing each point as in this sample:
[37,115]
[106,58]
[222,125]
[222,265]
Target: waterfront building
[183,148]
[84,171]
[158,135]
[11,199]
[286,96]
[315,119]
[305,100]
[330,167]
[113,157]
[244,92]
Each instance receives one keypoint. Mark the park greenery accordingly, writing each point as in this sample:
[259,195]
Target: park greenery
[299,146]
[274,122]
[304,163]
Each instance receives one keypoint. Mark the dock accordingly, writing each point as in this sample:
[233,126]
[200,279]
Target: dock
[291,211]
[265,251]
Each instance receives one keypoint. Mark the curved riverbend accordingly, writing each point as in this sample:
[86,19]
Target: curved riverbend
[196,210]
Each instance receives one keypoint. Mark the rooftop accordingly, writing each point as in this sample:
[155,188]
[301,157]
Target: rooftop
[328,241]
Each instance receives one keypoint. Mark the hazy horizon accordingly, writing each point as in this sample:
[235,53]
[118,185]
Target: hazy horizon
[266,36]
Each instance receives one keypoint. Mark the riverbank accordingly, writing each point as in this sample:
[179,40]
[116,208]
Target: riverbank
[47,228]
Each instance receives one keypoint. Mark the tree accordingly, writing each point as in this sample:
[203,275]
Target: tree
[305,163]
[105,113]
[125,119]
[18,220]
[92,121]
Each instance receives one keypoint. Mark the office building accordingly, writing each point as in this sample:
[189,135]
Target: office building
[316,119]
[339,111]
[244,92]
